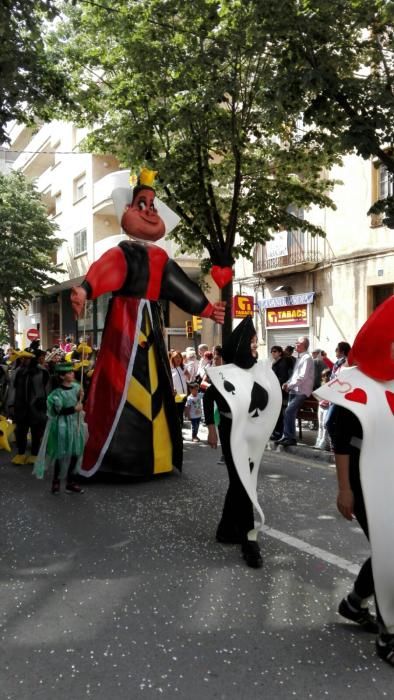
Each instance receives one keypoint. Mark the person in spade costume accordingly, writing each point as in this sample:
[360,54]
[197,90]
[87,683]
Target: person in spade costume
[249,398]
[362,431]
[130,411]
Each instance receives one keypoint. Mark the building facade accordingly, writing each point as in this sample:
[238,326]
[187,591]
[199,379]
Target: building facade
[325,288]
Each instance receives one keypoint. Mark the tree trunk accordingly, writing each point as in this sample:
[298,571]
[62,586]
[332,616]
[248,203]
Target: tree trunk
[227,296]
[9,319]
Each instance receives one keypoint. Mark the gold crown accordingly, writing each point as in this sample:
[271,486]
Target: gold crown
[147,177]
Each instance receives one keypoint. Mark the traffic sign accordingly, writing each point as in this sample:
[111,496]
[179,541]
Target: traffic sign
[33,334]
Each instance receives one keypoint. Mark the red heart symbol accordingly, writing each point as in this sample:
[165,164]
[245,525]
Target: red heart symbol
[357,395]
[221,275]
[390,400]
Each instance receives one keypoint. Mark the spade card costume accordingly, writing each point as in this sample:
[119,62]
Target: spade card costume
[131,413]
[249,399]
[367,390]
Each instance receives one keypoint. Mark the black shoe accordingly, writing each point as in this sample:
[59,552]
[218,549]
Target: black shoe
[251,554]
[275,437]
[72,487]
[55,488]
[286,442]
[361,616]
[385,648]
[227,536]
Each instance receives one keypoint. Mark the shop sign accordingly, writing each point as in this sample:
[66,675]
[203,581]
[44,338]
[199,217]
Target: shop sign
[287,316]
[242,306]
[175,331]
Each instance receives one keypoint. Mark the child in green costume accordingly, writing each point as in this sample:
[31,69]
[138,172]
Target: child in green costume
[65,435]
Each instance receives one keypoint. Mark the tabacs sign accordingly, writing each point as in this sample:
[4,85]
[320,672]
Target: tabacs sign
[287,316]
[242,306]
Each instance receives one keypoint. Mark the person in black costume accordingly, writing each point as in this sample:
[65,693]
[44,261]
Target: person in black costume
[237,516]
[346,434]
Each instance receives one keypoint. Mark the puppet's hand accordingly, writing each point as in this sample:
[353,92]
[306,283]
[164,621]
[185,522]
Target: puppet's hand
[78,298]
[218,311]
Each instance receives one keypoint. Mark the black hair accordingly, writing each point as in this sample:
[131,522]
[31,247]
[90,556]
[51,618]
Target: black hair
[138,188]
[278,348]
[344,347]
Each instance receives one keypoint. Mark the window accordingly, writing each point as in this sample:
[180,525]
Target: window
[386,188]
[79,188]
[382,187]
[80,242]
[58,203]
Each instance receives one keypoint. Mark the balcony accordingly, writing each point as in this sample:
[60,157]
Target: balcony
[102,191]
[39,155]
[295,251]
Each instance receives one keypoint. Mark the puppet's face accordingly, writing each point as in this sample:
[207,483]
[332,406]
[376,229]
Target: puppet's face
[141,219]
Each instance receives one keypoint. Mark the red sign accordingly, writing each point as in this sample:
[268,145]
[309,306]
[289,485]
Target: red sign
[33,334]
[283,316]
[242,306]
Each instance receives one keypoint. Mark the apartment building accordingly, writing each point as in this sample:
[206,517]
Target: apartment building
[324,288]
[76,189]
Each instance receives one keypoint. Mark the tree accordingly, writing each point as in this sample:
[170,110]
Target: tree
[339,56]
[28,247]
[30,80]
[186,88]
[3,329]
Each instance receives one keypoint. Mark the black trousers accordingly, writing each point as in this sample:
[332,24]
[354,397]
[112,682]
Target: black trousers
[238,508]
[364,584]
[21,430]
[70,471]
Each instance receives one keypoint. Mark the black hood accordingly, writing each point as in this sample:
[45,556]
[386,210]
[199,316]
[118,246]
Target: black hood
[236,349]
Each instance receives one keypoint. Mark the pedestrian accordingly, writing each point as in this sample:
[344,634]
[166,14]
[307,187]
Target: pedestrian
[319,366]
[329,363]
[298,387]
[64,439]
[193,409]
[202,349]
[283,370]
[362,436]
[191,363]
[30,391]
[248,397]
[288,353]
[323,439]
[341,351]
[180,378]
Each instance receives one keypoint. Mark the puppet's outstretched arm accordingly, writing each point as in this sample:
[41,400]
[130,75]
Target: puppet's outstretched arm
[107,274]
[179,288]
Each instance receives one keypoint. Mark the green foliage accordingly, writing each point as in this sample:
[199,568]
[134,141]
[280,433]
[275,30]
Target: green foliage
[187,88]
[339,56]
[28,245]
[31,80]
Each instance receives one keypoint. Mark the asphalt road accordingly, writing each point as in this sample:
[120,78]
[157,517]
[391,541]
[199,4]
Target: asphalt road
[123,593]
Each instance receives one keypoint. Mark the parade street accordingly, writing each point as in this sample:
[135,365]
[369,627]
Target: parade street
[123,592]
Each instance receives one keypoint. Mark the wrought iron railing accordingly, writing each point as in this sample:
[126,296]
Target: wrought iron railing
[301,248]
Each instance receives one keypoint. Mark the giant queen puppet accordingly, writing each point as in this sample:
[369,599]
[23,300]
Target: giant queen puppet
[131,414]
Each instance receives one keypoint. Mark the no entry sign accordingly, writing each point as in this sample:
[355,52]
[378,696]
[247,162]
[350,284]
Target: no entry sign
[32,334]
